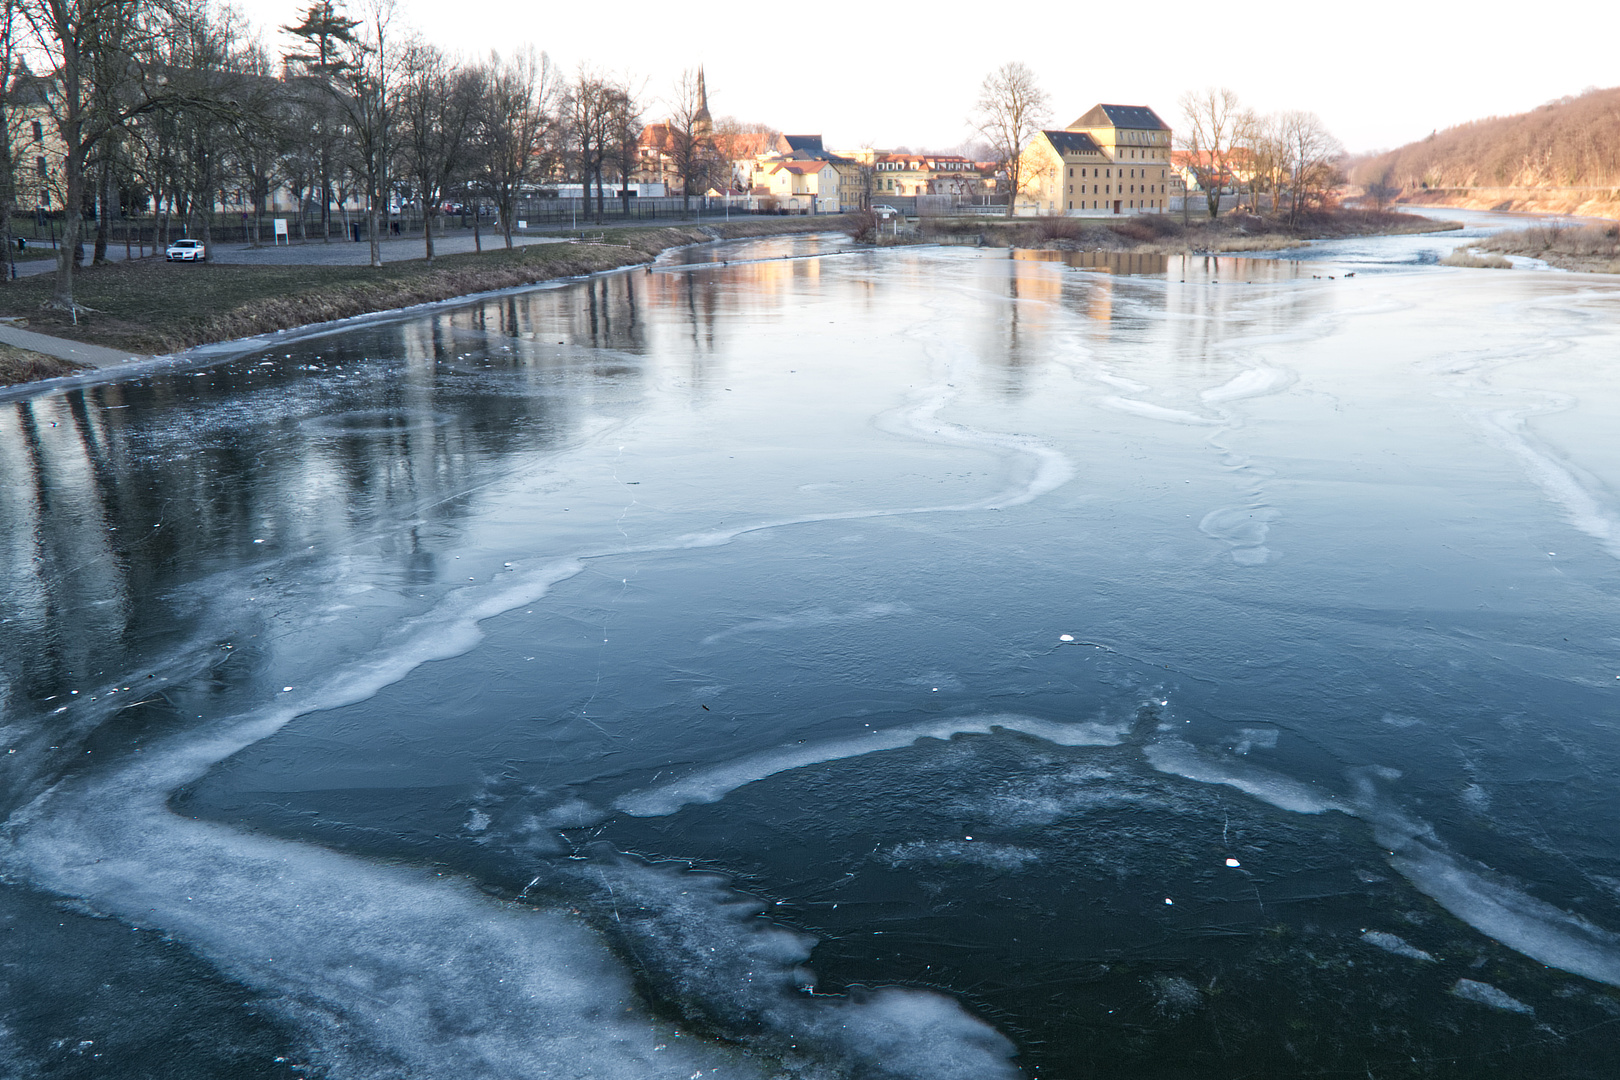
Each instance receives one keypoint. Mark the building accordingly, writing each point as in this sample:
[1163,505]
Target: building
[922,174]
[801,175]
[1114,159]
[36,145]
[810,185]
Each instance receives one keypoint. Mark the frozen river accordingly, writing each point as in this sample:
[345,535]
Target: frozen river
[932,663]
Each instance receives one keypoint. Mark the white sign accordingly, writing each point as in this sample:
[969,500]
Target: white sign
[281,231]
[523,224]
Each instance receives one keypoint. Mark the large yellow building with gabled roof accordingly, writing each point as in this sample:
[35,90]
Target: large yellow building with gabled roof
[1114,159]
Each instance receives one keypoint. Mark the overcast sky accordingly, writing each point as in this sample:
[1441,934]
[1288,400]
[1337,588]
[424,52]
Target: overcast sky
[907,75]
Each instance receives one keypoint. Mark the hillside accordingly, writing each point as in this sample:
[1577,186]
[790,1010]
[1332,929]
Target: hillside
[1563,156]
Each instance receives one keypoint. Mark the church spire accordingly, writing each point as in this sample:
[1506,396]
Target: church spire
[703,116]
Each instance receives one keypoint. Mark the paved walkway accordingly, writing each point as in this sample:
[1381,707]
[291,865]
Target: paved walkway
[342,252]
[95,355]
[349,253]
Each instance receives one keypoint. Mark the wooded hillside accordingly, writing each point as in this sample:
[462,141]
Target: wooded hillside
[1571,142]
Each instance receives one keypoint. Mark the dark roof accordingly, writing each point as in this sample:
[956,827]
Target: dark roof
[1136,117]
[1072,142]
[808,143]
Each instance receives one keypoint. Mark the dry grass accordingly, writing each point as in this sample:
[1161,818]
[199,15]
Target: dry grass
[157,307]
[1593,248]
[23,365]
[1472,260]
[1258,243]
[1167,233]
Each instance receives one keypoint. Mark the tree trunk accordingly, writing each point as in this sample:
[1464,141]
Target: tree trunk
[427,231]
[72,220]
[373,197]
[103,215]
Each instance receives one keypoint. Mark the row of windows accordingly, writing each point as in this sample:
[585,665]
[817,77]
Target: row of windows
[1109,173]
[1147,204]
[1107,189]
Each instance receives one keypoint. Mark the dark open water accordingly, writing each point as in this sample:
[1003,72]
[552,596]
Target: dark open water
[932,663]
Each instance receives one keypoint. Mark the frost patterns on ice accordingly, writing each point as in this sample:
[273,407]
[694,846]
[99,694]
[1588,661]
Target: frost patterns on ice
[1392,943]
[1486,994]
[1007,858]
[1174,996]
[712,785]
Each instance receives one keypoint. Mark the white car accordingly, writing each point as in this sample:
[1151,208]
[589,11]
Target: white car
[187,251]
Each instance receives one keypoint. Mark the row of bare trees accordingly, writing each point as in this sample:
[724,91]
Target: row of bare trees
[1290,155]
[171,105]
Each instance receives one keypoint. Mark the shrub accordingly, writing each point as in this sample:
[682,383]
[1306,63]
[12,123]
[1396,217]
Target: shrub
[1134,230]
[863,226]
[1059,228]
[1474,261]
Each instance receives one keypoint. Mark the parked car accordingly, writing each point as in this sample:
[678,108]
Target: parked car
[187,251]
[884,212]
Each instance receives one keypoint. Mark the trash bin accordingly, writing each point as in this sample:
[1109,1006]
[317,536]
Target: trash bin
[354,229]
[22,243]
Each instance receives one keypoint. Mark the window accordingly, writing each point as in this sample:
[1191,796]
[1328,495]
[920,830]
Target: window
[39,131]
[44,169]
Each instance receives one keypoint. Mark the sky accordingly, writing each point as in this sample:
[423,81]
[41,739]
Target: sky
[907,75]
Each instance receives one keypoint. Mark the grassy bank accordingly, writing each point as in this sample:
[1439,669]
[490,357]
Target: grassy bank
[1169,234]
[158,307]
[22,365]
[1593,249]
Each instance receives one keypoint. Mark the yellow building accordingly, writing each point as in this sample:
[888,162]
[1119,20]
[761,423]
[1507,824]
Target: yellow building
[807,185]
[1113,160]
[36,146]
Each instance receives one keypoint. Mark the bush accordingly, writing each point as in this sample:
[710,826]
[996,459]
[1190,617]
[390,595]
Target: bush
[1134,230]
[1059,228]
[863,226]
[1466,258]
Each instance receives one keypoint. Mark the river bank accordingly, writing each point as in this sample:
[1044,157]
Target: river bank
[25,365]
[1169,234]
[1568,201]
[155,307]
[1593,249]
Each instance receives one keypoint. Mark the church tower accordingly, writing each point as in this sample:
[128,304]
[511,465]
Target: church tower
[703,123]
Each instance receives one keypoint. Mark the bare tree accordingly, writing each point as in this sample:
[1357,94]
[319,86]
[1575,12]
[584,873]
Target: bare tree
[1312,154]
[691,142]
[1012,108]
[93,49]
[364,88]
[259,128]
[624,114]
[1215,124]
[437,104]
[511,123]
[587,107]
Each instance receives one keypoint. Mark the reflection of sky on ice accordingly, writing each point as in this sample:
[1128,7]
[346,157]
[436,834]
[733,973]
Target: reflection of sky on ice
[763,567]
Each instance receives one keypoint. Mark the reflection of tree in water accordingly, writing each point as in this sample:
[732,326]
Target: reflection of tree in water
[123,495]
